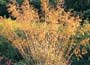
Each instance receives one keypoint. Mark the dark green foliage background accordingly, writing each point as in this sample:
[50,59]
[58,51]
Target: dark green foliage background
[8,51]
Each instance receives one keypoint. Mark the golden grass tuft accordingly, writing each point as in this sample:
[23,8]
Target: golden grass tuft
[42,44]
[47,43]
[24,12]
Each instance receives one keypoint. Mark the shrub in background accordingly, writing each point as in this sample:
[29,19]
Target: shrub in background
[8,51]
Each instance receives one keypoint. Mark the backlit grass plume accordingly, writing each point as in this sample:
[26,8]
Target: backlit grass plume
[24,12]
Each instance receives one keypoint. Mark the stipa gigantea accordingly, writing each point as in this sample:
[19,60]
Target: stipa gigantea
[24,12]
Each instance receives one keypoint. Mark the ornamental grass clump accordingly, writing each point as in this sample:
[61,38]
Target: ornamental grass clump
[52,42]
[42,44]
[39,47]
